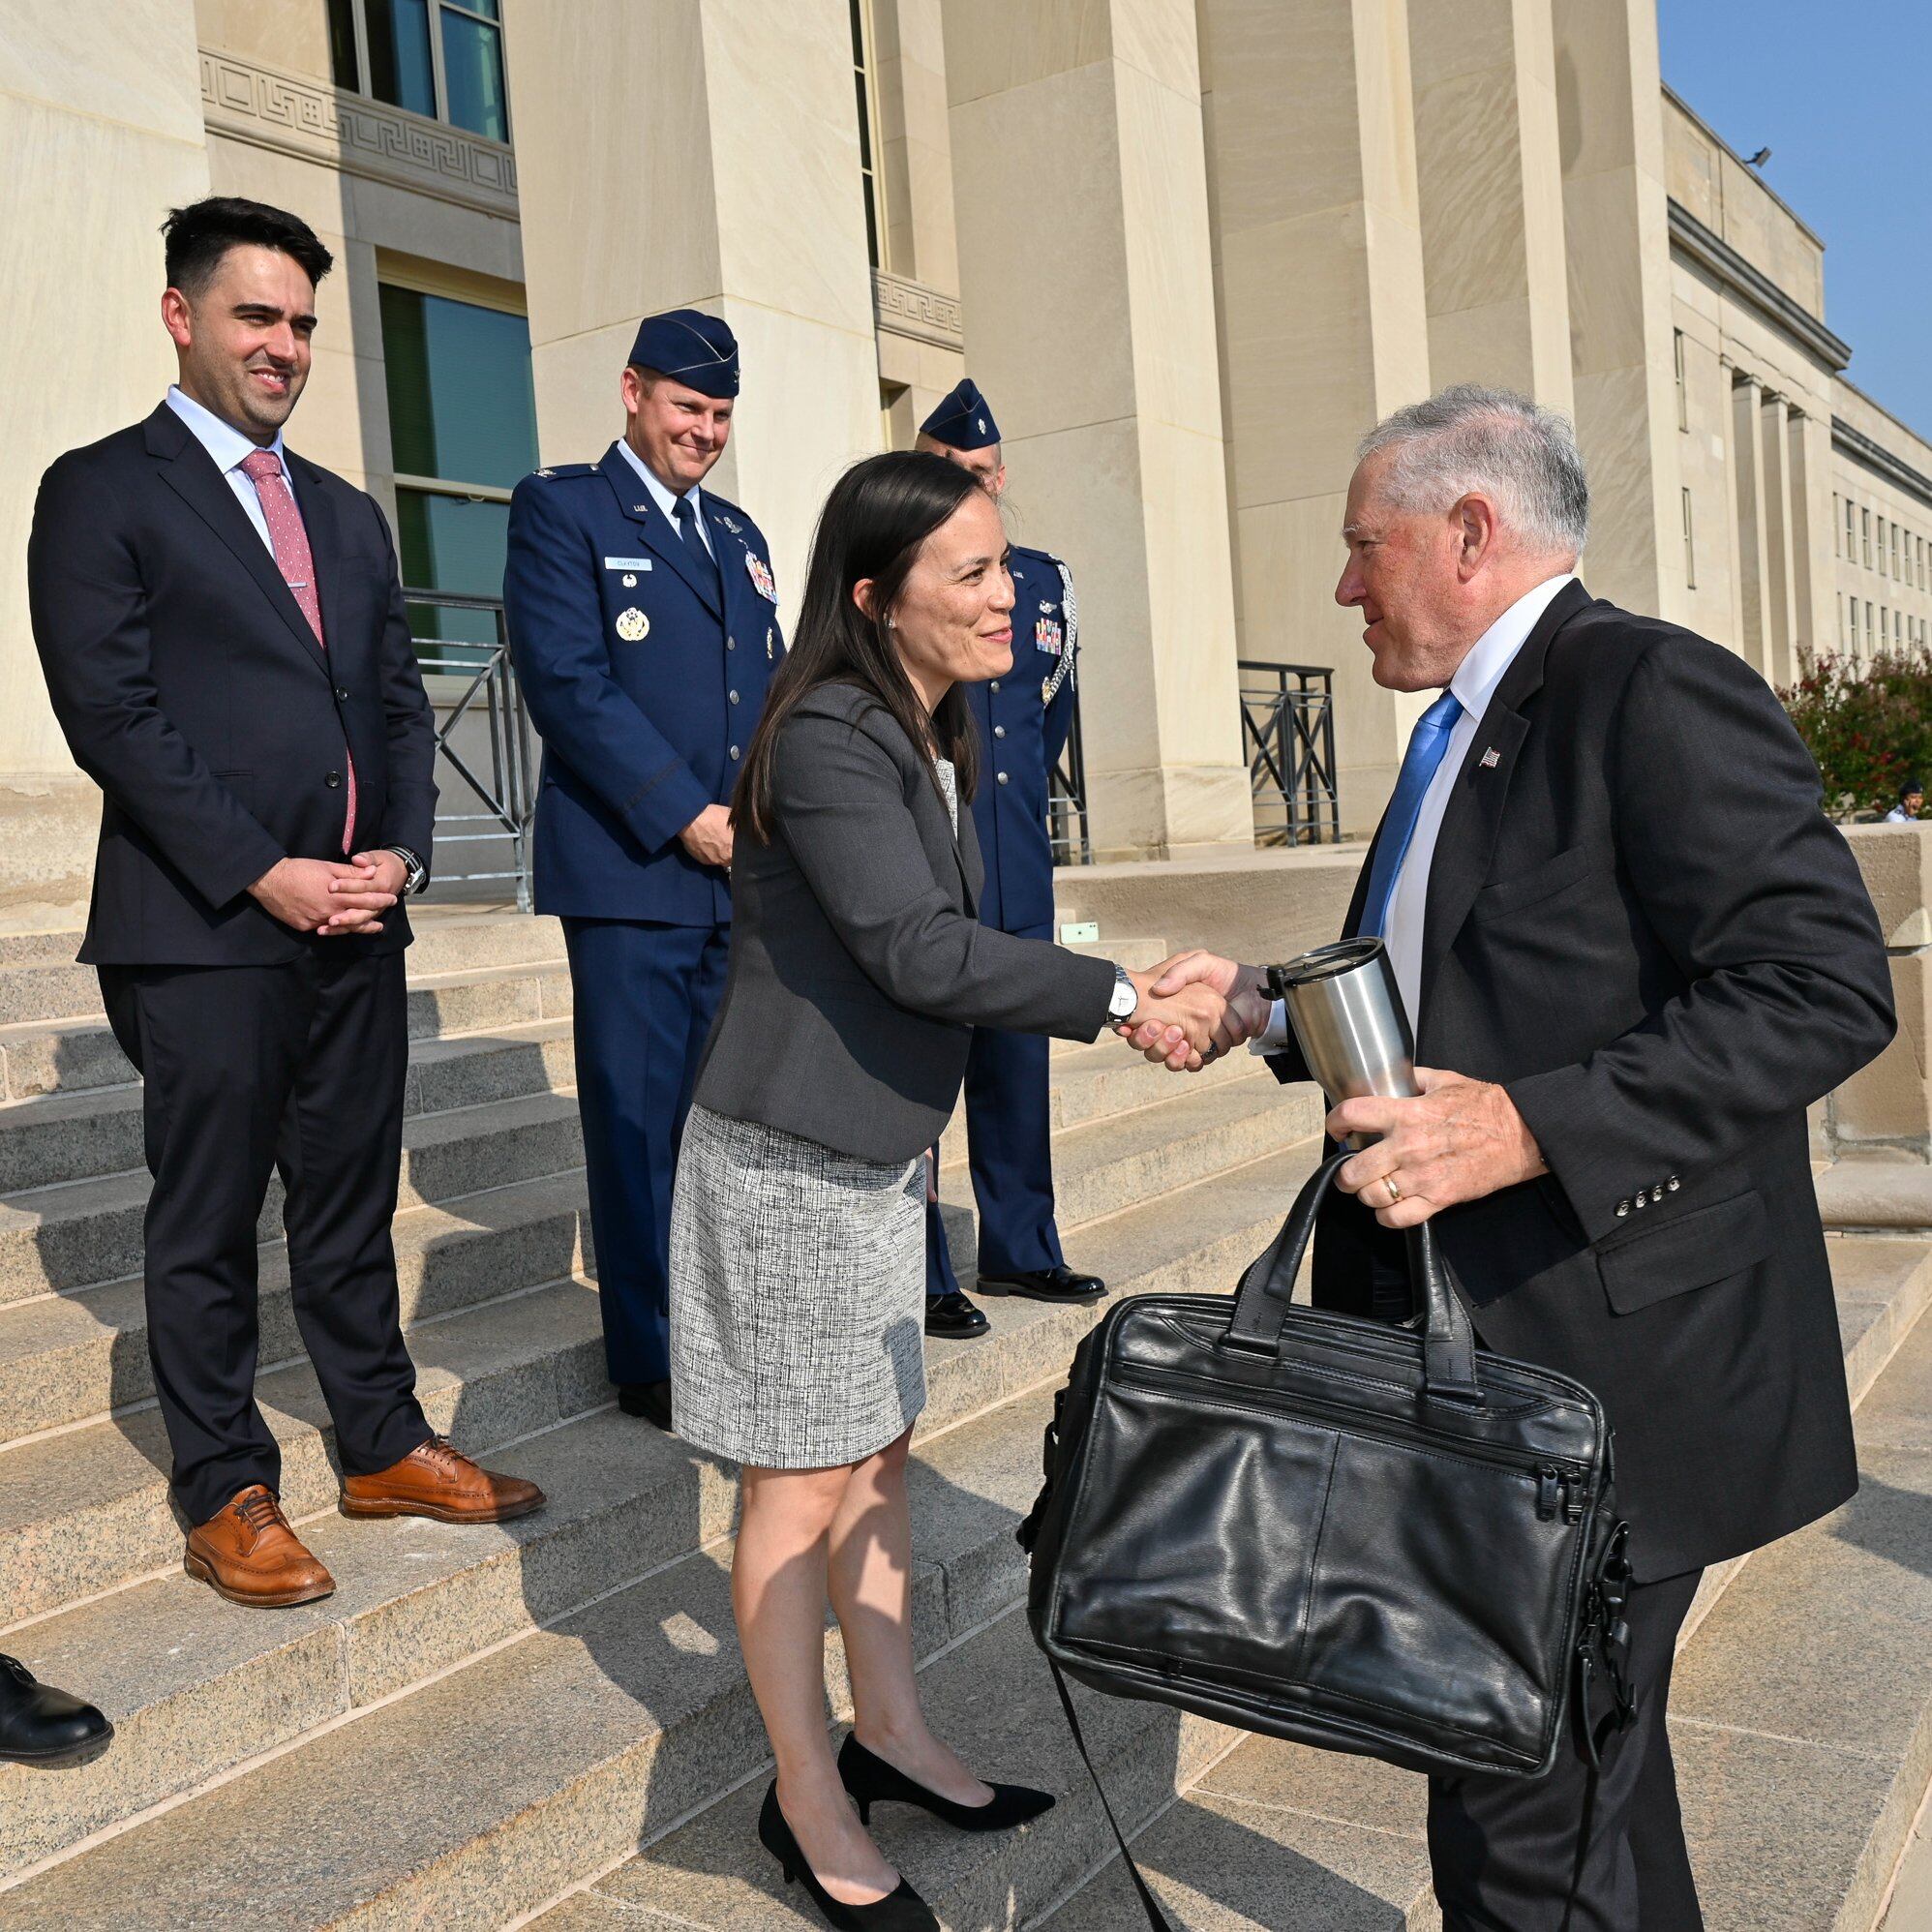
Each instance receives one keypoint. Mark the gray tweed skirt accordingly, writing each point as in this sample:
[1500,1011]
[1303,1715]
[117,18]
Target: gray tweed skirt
[798,1297]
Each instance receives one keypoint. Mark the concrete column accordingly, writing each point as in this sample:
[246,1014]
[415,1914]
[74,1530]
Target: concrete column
[1747,443]
[1814,541]
[702,154]
[1084,271]
[103,135]
[1488,167]
[1733,511]
[1610,110]
[915,164]
[1780,574]
[1318,278]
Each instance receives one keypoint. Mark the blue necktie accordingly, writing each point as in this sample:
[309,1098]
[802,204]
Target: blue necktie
[1426,747]
[684,513]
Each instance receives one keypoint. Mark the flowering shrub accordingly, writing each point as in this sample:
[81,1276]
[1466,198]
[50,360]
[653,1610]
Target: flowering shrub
[1868,725]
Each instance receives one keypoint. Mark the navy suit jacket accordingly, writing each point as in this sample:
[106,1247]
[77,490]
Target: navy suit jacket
[191,690]
[641,731]
[1022,732]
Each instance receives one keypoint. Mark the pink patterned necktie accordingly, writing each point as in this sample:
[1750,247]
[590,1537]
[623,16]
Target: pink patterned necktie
[289,541]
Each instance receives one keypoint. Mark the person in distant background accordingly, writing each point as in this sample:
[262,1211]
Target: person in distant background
[644,621]
[1022,720]
[223,633]
[1911,802]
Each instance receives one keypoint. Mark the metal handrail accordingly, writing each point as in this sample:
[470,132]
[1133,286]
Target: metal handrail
[1067,822]
[1288,728]
[508,794]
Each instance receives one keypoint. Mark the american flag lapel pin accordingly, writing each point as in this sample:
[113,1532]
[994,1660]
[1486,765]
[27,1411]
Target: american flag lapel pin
[1491,758]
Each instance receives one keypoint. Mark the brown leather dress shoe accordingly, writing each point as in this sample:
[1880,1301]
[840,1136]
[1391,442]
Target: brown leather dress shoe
[248,1553]
[435,1480]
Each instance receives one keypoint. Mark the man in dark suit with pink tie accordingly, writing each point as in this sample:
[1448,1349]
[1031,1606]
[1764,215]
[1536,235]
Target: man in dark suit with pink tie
[223,632]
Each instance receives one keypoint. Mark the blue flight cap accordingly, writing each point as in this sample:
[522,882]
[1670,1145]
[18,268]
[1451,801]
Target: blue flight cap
[694,348]
[962,420]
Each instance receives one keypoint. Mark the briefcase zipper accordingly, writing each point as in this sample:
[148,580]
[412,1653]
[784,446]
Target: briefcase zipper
[1562,1487]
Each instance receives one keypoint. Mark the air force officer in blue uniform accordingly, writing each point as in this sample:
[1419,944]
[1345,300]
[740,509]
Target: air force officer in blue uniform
[644,624]
[1024,720]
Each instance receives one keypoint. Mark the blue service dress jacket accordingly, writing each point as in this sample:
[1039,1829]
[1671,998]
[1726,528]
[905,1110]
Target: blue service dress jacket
[645,688]
[1023,719]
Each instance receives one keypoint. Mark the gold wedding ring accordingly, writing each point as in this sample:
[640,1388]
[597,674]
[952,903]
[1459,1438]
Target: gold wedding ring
[1395,1192]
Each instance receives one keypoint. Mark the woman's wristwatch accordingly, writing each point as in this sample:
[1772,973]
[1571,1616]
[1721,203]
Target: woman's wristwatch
[1121,1007]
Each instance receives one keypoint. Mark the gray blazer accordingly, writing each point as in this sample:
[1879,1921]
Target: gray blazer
[857,966]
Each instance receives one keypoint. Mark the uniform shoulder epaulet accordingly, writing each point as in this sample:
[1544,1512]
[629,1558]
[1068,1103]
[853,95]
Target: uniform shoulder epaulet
[552,471]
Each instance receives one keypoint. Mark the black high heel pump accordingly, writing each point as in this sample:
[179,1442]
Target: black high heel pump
[871,1781]
[900,1911]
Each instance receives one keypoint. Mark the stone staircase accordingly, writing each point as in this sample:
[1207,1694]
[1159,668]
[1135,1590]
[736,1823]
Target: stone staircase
[483,1725]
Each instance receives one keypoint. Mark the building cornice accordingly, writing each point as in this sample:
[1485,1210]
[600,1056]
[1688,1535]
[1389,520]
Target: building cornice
[297,114]
[901,307]
[1861,448]
[1752,287]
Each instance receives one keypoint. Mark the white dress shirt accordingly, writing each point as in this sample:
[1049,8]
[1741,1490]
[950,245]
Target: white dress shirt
[1474,684]
[663,498]
[229,447]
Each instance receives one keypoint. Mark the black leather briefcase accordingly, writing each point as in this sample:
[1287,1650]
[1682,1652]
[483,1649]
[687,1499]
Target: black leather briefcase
[1376,1539]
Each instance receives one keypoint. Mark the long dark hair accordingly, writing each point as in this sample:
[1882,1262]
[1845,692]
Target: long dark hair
[878,514]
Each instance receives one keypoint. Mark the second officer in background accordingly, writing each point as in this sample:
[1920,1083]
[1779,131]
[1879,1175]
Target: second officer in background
[644,622]
[1024,720]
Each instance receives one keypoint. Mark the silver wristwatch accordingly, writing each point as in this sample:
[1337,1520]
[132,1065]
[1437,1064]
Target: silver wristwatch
[415,874]
[1121,1007]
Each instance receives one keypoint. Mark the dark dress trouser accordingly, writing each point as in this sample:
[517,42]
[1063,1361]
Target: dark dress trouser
[643,996]
[1010,1148]
[249,1070]
[1504,1851]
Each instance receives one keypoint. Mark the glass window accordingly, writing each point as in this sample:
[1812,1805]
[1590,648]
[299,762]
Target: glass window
[1683,397]
[1895,550]
[344,65]
[1690,545]
[463,429]
[472,69]
[868,159]
[1837,532]
[1865,533]
[1848,528]
[442,58]
[402,69]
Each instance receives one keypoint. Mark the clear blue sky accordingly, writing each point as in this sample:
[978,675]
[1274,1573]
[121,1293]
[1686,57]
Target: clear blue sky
[1839,93]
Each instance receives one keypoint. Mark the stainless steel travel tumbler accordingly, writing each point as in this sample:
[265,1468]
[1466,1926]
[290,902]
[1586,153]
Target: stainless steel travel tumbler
[1347,1011]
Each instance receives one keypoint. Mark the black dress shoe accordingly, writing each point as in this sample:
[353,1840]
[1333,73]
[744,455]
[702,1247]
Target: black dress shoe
[901,1910]
[40,1725]
[954,1316]
[650,1399]
[1058,1284]
[872,1781]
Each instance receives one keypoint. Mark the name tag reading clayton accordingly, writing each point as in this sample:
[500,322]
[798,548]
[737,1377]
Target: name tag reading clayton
[626,563]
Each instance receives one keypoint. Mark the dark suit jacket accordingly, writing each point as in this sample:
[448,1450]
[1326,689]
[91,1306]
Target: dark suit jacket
[191,690]
[641,731]
[1642,924]
[859,966]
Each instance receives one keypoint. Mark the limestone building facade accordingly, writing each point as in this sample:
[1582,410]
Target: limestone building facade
[1191,248]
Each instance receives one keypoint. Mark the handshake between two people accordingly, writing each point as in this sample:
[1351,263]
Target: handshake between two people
[1457,1140]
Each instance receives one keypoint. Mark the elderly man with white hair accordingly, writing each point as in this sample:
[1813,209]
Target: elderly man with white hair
[1634,951]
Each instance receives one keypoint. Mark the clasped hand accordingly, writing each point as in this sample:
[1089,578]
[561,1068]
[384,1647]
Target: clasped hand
[1457,1140]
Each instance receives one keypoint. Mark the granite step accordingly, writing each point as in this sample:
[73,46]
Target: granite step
[39,1057]
[1110,1163]
[70,1357]
[1874,1190]
[484,1794]
[1801,1725]
[76,1233]
[993,1699]
[84,1509]
[87,1509]
[77,1135]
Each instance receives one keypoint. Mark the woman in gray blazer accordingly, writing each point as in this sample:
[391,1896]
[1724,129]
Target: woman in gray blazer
[797,1247]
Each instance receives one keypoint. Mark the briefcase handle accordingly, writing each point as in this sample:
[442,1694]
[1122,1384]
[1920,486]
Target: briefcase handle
[1448,1340]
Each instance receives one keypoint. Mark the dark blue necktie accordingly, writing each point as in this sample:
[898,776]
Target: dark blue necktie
[687,514]
[1427,745]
